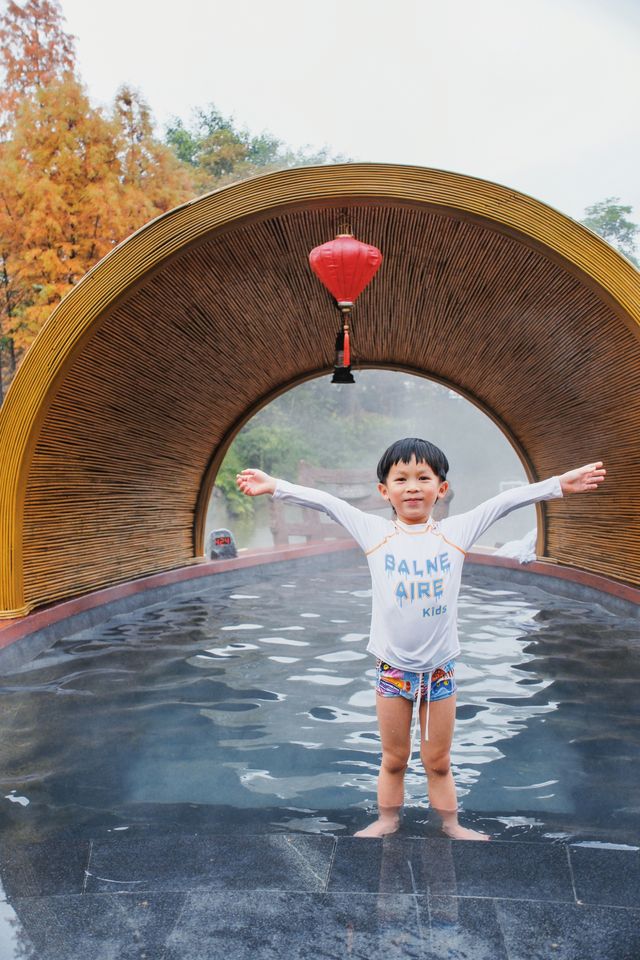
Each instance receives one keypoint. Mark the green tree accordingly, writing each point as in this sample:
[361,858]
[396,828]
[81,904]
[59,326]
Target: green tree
[609,219]
[220,152]
[324,424]
[270,446]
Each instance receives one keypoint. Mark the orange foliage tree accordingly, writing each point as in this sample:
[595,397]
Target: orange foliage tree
[153,178]
[73,181]
[35,50]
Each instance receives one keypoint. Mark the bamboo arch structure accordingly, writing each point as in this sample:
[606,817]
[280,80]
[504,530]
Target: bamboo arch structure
[120,415]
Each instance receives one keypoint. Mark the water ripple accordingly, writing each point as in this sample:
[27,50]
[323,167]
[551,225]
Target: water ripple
[154,712]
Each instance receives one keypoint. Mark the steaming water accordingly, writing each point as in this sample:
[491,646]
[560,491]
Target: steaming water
[249,705]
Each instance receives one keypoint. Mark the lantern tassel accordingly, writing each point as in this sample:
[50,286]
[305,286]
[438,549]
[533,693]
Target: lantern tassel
[347,349]
[342,371]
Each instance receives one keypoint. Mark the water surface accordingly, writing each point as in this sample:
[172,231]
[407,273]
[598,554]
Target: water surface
[249,704]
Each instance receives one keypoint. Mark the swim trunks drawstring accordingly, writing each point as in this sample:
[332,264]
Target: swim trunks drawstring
[417,715]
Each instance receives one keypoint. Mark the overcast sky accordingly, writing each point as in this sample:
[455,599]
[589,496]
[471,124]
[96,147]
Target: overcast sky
[540,95]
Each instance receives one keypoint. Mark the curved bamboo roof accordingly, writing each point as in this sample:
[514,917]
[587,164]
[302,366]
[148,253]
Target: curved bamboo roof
[121,412]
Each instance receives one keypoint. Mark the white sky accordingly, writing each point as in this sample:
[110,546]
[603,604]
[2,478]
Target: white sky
[539,95]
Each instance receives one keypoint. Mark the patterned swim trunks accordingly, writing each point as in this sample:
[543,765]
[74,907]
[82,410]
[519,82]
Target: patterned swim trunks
[391,682]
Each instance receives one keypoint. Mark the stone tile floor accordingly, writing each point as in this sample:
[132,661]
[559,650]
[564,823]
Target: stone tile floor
[316,896]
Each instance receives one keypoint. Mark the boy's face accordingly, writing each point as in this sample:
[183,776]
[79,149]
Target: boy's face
[412,489]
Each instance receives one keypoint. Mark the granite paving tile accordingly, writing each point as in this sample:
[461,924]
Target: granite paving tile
[451,867]
[562,931]
[528,871]
[463,928]
[394,865]
[433,866]
[101,926]
[278,861]
[606,876]
[282,925]
[39,869]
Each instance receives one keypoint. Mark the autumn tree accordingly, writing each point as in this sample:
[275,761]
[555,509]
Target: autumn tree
[74,183]
[73,180]
[60,196]
[153,178]
[34,51]
[609,219]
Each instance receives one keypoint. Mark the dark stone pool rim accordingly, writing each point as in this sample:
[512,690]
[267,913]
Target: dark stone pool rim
[322,896]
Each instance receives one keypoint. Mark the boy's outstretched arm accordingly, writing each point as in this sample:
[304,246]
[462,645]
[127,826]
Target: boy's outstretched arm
[464,529]
[363,527]
[583,479]
[254,482]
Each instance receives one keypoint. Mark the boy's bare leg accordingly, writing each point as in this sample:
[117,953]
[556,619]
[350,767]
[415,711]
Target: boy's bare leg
[435,755]
[394,721]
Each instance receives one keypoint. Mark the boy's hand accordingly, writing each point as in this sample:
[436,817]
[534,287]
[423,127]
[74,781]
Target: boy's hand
[583,479]
[254,482]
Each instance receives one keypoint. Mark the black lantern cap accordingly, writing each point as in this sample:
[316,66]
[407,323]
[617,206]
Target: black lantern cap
[342,375]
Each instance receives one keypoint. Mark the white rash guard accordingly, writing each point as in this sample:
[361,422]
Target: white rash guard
[416,569]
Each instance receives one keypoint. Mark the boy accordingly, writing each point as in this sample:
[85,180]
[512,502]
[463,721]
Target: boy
[416,566]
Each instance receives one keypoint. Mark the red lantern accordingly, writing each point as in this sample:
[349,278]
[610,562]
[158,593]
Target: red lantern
[345,266]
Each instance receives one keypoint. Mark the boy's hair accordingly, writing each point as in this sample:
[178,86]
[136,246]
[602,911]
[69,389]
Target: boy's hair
[422,450]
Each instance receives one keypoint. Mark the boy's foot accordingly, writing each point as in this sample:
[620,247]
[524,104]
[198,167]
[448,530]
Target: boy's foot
[451,828]
[456,832]
[380,828]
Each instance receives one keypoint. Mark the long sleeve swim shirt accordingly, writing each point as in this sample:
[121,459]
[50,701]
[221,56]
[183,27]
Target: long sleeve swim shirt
[416,569]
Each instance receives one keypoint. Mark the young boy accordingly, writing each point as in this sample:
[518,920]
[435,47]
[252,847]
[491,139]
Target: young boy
[416,566]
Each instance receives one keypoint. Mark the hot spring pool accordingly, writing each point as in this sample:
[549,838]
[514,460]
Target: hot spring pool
[248,704]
